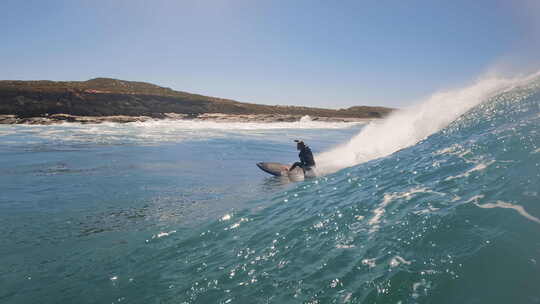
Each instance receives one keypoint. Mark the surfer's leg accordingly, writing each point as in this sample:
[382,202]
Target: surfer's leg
[296,164]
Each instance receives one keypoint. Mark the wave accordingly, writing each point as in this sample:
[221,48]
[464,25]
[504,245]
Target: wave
[304,123]
[156,131]
[435,223]
[409,126]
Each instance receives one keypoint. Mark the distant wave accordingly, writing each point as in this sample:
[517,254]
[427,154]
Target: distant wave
[158,130]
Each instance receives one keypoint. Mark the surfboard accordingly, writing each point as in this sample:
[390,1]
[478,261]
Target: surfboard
[278,169]
[275,169]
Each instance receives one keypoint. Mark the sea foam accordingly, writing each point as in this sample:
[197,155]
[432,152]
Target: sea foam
[408,126]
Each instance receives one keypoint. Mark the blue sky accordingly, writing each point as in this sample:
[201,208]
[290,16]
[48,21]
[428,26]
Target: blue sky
[316,53]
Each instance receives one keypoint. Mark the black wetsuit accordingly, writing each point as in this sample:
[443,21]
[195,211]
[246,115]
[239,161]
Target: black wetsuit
[306,159]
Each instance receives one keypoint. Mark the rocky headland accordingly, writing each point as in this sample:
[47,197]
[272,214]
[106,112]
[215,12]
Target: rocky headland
[111,100]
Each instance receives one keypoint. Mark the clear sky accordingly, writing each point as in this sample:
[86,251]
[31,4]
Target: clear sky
[315,53]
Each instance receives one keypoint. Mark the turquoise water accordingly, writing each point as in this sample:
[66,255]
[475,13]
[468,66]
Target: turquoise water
[178,213]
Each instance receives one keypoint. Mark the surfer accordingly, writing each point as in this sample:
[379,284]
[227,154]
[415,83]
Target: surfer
[306,157]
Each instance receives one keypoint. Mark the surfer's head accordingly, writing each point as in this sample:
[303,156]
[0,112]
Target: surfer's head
[299,144]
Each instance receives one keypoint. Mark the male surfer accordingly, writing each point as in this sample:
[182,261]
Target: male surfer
[306,157]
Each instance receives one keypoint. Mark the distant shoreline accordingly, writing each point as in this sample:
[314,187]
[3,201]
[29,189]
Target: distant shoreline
[112,100]
[214,117]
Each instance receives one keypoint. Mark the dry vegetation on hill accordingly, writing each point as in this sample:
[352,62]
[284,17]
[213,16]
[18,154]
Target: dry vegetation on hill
[109,97]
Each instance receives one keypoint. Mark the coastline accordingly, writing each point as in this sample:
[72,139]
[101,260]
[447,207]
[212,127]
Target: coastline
[215,117]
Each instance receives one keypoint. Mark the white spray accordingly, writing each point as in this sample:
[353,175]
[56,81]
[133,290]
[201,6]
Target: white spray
[407,127]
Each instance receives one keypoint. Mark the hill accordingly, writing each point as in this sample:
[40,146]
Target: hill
[110,97]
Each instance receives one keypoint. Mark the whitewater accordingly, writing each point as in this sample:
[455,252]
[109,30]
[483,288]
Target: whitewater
[438,203]
[408,126]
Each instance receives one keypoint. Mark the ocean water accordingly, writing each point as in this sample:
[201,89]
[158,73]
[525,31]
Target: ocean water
[439,203]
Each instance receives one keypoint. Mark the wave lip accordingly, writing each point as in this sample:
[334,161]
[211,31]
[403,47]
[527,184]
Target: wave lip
[409,126]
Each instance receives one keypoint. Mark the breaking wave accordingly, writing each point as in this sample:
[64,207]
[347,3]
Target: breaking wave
[409,126]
